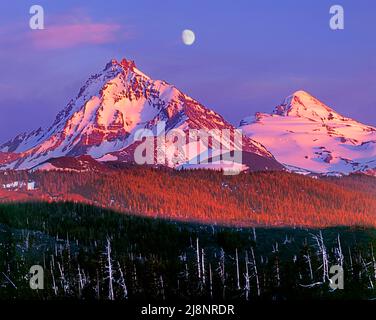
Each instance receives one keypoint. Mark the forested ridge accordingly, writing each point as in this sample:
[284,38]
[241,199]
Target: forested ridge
[248,199]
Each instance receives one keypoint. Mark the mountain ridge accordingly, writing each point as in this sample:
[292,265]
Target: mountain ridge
[309,137]
[107,112]
[301,134]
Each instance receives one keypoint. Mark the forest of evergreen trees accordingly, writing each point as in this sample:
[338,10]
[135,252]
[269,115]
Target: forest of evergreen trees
[248,199]
[139,233]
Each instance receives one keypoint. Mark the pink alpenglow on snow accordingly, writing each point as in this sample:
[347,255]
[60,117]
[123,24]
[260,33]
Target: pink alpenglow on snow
[108,111]
[308,136]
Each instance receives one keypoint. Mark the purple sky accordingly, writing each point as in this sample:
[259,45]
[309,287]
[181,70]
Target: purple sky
[247,57]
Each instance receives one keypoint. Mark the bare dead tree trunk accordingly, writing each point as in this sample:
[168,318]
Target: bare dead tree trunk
[365,268]
[237,270]
[203,266]
[256,273]
[308,258]
[351,263]
[373,262]
[322,250]
[254,234]
[247,286]
[84,278]
[122,282]
[222,272]
[340,255]
[62,278]
[80,281]
[324,259]
[109,269]
[54,287]
[198,259]
[162,287]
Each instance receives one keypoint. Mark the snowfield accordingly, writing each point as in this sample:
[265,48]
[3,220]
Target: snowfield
[309,137]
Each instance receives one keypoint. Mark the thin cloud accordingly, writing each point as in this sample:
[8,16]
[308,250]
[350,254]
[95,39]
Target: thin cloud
[73,35]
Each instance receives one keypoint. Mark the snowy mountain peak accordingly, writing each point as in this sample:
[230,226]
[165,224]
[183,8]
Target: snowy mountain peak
[304,133]
[124,66]
[124,63]
[127,64]
[104,117]
[303,104]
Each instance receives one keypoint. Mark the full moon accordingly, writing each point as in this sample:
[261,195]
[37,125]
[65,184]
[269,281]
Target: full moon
[188,37]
